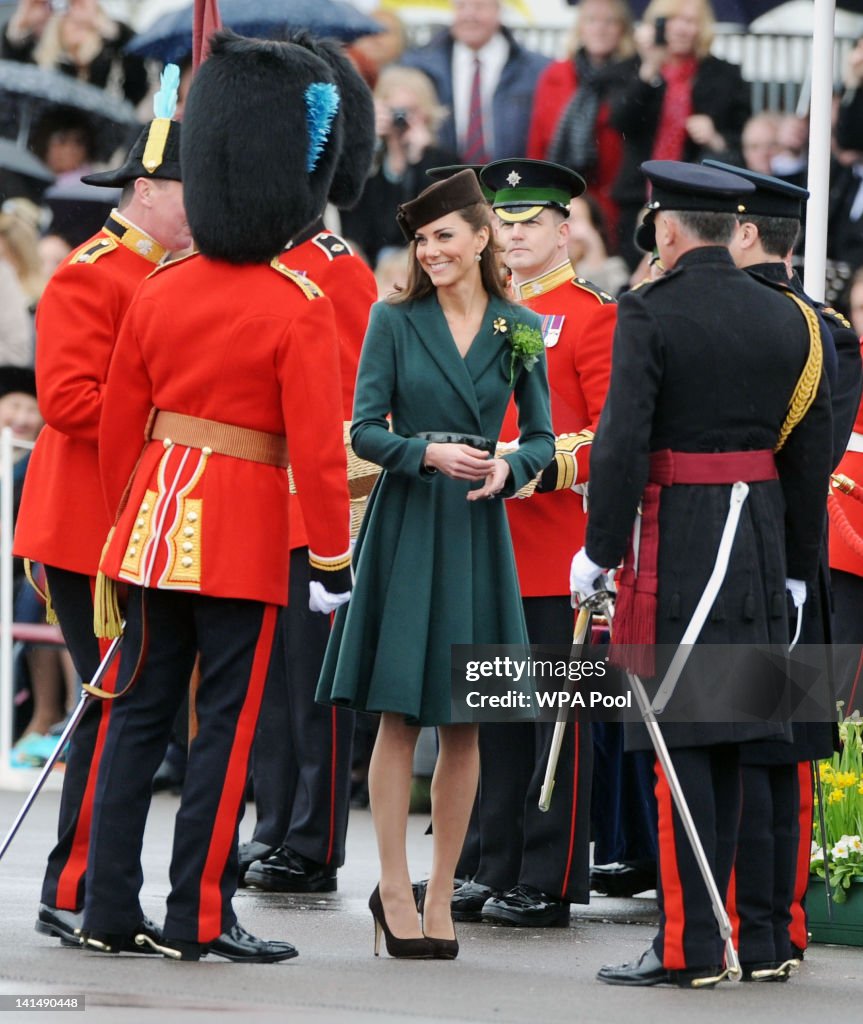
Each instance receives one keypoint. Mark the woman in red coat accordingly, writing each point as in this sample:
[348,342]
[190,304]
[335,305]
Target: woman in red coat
[570,123]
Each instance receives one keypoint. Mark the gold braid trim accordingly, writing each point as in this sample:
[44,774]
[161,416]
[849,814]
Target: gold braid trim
[50,614]
[807,384]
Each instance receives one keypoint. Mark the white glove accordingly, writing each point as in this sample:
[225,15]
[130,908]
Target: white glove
[321,600]
[583,574]
[797,590]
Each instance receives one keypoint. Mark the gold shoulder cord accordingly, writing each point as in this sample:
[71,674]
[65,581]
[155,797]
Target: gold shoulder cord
[807,384]
[50,614]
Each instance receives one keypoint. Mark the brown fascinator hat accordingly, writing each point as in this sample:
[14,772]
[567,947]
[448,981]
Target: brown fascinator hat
[439,199]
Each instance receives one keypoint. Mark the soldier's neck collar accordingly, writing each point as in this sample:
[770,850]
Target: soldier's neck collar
[138,241]
[315,228]
[544,283]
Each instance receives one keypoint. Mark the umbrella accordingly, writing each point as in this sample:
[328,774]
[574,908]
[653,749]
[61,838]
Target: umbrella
[21,173]
[26,91]
[170,37]
[21,161]
[78,210]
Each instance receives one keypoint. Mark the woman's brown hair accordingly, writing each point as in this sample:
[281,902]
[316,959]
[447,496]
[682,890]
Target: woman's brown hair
[419,284]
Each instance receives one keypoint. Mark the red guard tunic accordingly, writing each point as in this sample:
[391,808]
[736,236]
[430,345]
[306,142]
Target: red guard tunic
[578,328]
[63,521]
[329,261]
[251,346]
[842,556]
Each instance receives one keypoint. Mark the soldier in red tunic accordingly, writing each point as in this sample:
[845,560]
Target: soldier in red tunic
[63,521]
[303,750]
[534,865]
[225,368]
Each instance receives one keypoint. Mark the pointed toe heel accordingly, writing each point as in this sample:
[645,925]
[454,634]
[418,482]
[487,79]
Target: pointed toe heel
[401,949]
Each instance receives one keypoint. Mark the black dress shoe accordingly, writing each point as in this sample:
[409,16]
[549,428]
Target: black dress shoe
[621,880]
[62,924]
[648,970]
[249,853]
[526,907]
[288,871]
[146,938]
[469,899]
[241,947]
[169,778]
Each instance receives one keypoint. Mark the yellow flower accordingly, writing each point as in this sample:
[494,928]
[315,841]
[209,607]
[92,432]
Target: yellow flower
[836,797]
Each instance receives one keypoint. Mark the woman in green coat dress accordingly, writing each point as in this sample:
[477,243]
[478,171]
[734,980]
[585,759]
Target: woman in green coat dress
[433,560]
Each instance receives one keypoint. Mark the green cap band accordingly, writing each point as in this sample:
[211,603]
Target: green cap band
[532,197]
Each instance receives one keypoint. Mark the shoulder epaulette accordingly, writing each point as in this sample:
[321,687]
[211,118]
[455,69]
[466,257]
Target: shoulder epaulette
[171,263]
[307,287]
[587,286]
[332,244]
[834,314]
[90,252]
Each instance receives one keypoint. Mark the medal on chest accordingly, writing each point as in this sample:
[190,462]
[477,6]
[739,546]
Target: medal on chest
[552,325]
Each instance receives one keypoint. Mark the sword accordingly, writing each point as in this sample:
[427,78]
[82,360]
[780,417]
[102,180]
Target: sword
[821,825]
[739,493]
[582,628]
[65,736]
[648,715]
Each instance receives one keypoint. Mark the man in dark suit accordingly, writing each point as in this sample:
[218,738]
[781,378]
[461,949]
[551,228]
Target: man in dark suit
[486,79]
[705,394]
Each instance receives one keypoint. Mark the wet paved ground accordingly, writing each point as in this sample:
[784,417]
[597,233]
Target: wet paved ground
[501,975]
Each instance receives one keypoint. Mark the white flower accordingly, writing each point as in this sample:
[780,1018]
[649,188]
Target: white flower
[854,844]
[840,851]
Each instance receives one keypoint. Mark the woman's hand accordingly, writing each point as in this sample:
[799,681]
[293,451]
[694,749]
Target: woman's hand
[29,19]
[701,129]
[459,461]
[652,56]
[495,481]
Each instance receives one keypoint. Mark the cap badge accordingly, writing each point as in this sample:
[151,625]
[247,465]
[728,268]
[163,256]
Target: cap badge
[513,178]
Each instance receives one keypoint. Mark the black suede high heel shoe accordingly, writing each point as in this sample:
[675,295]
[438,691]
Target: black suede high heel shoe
[444,949]
[402,949]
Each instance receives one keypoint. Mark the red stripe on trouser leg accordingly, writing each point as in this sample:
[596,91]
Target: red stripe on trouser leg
[234,784]
[333,761]
[69,881]
[673,956]
[565,884]
[797,929]
[731,907]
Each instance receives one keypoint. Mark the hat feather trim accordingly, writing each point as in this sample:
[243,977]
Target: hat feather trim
[165,100]
[322,105]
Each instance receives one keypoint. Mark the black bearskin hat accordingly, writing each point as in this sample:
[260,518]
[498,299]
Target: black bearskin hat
[261,138]
[357,114]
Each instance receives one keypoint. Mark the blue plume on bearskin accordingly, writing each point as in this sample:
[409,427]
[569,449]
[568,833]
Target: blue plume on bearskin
[322,104]
[357,117]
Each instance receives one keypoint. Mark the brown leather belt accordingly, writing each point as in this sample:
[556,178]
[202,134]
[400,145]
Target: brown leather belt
[220,438]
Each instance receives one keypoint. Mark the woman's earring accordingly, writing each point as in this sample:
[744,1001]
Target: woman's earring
[478,257]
